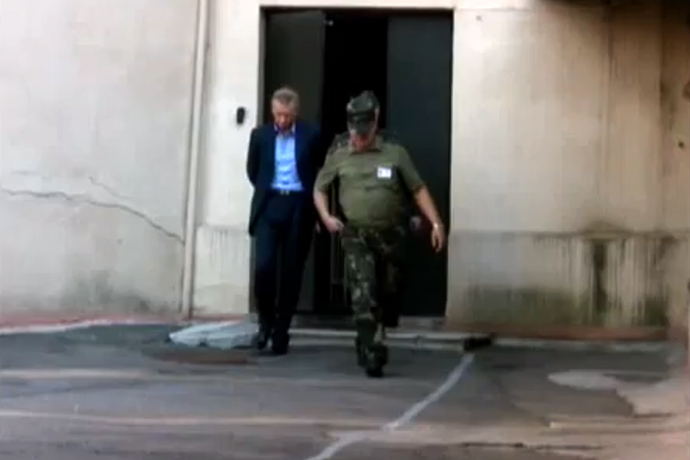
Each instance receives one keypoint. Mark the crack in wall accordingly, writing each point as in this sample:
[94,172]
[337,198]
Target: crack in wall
[84,199]
[92,180]
[106,188]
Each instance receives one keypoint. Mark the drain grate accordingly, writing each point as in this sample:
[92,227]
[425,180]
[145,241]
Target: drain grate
[203,356]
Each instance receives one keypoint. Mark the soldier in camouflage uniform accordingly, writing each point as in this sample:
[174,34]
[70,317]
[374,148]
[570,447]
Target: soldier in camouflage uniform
[375,176]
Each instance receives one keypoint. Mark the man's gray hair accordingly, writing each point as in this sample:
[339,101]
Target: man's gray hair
[286,96]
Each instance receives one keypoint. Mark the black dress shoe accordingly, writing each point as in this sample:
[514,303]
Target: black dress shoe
[262,338]
[477,343]
[280,343]
[374,372]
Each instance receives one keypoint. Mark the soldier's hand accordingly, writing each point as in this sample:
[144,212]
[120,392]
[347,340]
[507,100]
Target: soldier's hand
[333,224]
[438,238]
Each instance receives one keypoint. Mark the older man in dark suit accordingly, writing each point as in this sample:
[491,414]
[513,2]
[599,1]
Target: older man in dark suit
[282,163]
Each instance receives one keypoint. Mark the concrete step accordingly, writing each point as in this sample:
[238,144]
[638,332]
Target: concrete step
[229,334]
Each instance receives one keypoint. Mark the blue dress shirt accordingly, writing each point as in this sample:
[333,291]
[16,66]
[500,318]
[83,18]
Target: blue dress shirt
[286,176]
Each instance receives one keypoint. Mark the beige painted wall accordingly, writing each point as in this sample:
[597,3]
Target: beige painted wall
[570,138]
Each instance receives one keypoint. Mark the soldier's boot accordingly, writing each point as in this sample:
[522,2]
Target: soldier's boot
[369,351]
[377,358]
[361,353]
[372,353]
[378,352]
[364,340]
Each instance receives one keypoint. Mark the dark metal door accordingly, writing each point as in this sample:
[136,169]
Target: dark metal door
[419,112]
[294,56]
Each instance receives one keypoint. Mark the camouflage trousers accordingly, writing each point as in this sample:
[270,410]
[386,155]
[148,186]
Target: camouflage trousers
[373,261]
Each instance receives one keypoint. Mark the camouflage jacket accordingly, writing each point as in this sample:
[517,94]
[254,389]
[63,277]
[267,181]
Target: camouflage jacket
[340,142]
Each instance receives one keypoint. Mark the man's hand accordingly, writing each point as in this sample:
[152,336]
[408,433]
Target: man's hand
[332,224]
[438,237]
[426,205]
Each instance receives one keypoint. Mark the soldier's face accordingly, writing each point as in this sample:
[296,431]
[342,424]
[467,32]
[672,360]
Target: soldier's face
[284,115]
[362,141]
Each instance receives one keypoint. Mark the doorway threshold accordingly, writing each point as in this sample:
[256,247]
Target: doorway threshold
[344,322]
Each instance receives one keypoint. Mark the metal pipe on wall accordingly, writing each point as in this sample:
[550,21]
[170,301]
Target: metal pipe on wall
[194,152]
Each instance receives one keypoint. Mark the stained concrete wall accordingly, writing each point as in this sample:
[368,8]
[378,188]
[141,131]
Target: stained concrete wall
[571,166]
[94,116]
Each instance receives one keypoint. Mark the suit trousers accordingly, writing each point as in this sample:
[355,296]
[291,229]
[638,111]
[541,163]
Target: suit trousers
[283,236]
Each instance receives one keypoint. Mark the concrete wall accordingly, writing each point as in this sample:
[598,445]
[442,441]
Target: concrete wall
[223,246]
[94,116]
[571,166]
[571,160]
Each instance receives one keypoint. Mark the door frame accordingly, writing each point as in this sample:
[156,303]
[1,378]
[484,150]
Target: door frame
[266,7]
[427,5]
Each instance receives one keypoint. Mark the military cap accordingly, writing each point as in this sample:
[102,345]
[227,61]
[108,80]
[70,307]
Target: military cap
[361,112]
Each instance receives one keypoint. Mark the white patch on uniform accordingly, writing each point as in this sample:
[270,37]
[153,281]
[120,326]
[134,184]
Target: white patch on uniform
[384,172]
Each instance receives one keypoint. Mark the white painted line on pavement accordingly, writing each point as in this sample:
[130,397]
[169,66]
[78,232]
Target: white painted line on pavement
[66,327]
[407,417]
[178,421]
[453,378]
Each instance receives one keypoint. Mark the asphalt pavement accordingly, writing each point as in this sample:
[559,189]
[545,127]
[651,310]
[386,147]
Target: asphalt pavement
[125,393]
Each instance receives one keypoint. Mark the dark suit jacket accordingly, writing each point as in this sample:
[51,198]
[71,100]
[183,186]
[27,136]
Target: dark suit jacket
[309,154]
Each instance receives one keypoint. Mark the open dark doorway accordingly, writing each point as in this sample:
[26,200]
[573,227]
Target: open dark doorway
[355,60]
[329,56]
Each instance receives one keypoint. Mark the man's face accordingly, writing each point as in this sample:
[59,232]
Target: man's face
[283,115]
[362,141]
